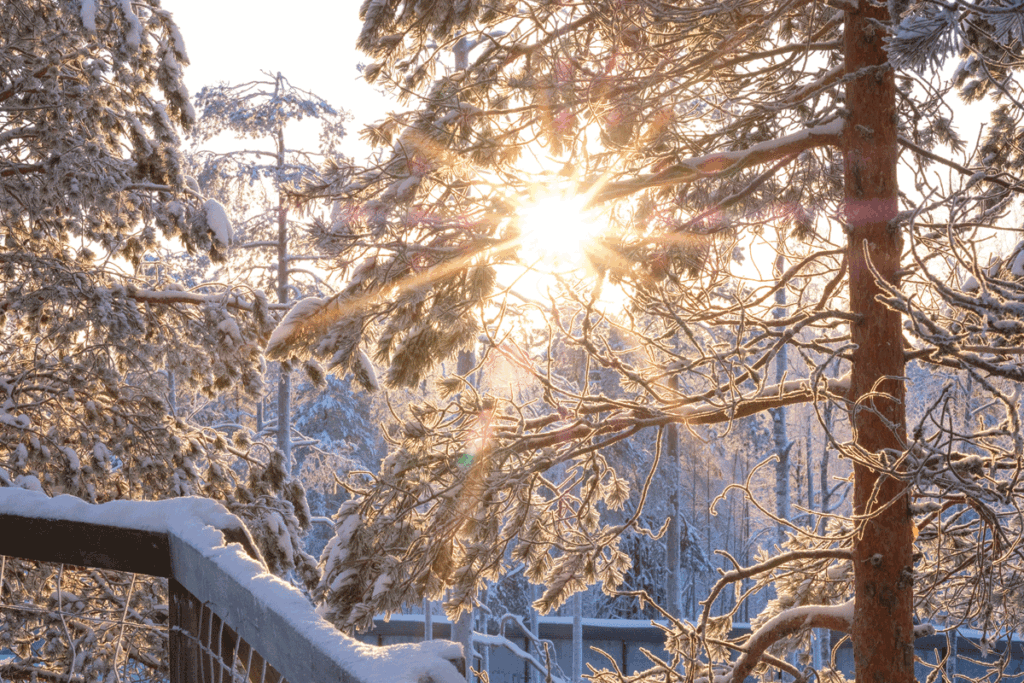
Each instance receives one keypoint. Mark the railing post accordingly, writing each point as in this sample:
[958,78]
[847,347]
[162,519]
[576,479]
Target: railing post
[182,641]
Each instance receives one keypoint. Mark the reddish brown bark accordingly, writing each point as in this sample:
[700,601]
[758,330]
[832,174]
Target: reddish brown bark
[883,615]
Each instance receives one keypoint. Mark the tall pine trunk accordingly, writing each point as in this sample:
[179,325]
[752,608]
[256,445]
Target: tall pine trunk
[284,382]
[883,616]
[577,638]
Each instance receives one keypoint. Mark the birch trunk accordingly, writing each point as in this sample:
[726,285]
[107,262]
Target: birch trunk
[673,541]
[780,433]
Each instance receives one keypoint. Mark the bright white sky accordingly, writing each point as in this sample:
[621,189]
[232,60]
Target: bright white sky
[311,42]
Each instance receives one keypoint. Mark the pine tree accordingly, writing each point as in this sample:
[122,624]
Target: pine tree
[263,111]
[97,339]
[692,126]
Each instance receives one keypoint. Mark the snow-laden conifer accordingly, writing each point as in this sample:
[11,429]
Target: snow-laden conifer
[108,338]
[253,180]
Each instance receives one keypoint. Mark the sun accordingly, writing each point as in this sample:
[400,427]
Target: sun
[561,244]
[557,231]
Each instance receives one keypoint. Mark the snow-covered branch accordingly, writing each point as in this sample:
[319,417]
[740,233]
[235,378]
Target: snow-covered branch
[742,573]
[917,149]
[11,670]
[21,169]
[257,244]
[787,623]
[724,163]
[787,393]
[776,396]
[169,297]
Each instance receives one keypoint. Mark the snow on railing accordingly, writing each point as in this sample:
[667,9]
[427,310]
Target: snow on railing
[230,619]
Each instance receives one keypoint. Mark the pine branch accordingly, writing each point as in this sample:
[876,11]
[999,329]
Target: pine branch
[788,393]
[787,623]
[21,169]
[735,575]
[10,92]
[720,164]
[171,297]
[1015,187]
[23,672]
[776,396]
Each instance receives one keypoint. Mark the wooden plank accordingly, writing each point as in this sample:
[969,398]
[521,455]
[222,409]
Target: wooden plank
[222,645]
[86,545]
[183,649]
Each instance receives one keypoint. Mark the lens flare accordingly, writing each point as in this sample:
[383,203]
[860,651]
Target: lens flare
[556,232]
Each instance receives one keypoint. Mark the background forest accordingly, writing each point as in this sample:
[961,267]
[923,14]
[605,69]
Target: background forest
[708,312]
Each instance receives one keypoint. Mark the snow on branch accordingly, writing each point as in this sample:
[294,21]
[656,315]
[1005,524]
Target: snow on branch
[218,222]
[773,396]
[787,623]
[742,573]
[330,328]
[134,34]
[776,396]
[87,11]
[168,297]
[303,322]
[723,163]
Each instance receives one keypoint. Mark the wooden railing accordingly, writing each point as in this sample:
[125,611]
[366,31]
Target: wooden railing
[228,618]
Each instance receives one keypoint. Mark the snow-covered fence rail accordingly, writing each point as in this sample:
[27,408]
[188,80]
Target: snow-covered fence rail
[230,620]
